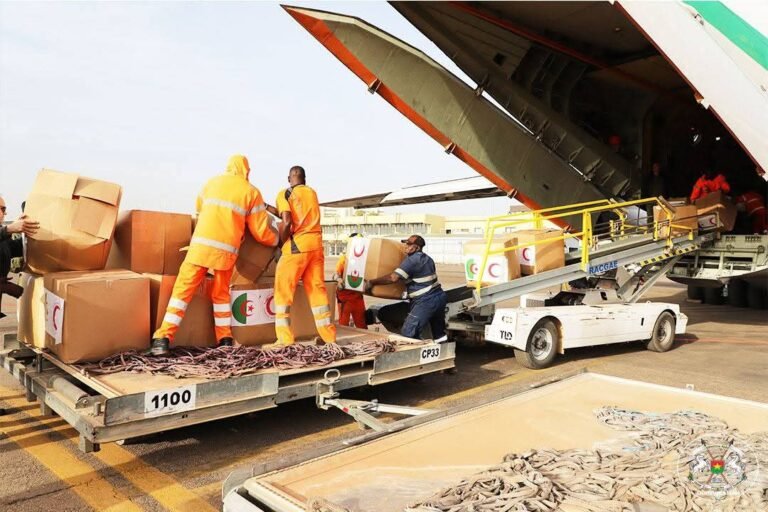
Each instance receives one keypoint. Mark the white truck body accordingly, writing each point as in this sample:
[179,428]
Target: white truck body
[582,326]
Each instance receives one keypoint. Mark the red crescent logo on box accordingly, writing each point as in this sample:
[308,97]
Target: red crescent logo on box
[56,309]
[712,221]
[268,305]
[356,248]
[490,270]
[525,254]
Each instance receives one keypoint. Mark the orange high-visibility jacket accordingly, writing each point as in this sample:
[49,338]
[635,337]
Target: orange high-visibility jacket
[227,204]
[706,186]
[753,202]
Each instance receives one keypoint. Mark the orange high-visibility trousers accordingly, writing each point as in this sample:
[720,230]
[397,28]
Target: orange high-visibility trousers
[189,278]
[308,267]
[351,305]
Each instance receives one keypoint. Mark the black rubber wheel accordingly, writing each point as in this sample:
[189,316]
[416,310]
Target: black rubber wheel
[737,293]
[663,335]
[755,297]
[713,296]
[542,346]
[695,292]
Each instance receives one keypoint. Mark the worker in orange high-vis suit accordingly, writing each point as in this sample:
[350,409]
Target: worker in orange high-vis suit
[301,259]
[709,182]
[226,206]
[351,303]
[754,205]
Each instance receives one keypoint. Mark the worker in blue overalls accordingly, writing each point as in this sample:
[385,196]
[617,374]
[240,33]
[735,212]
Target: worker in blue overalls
[426,296]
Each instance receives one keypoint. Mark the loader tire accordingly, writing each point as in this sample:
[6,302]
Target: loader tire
[737,293]
[541,350]
[663,335]
[755,297]
[713,296]
[695,292]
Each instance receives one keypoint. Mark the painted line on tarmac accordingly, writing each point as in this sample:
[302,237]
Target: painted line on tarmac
[79,476]
[165,489]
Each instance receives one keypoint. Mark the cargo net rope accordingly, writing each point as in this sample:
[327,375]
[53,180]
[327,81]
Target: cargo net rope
[224,362]
[592,233]
[683,461]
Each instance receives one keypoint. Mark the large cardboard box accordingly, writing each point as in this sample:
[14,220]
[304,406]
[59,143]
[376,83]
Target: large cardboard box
[369,258]
[253,317]
[685,216]
[30,310]
[545,255]
[716,206]
[93,315]
[77,218]
[196,330]
[253,260]
[500,268]
[150,242]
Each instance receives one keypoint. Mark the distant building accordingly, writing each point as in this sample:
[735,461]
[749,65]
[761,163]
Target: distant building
[445,235]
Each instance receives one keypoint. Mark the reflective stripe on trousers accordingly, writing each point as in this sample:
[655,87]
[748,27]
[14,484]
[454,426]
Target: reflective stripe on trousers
[187,284]
[309,268]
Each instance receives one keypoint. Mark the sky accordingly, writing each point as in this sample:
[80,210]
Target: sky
[156,96]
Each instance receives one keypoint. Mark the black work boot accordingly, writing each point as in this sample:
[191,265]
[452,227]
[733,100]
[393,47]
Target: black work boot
[226,342]
[160,347]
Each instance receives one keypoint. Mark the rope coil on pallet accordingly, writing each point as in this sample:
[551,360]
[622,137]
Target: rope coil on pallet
[644,471]
[223,362]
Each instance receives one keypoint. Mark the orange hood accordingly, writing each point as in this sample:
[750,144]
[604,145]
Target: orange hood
[238,166]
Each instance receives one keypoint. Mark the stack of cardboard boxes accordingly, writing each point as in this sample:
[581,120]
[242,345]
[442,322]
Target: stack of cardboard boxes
[538,250]
[98,283]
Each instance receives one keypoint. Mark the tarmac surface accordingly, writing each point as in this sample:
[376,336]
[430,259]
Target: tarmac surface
[725,351]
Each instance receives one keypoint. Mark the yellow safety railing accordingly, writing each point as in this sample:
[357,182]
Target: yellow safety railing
[617,229]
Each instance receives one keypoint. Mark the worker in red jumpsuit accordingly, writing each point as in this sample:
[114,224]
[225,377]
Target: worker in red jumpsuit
[351,303]
[709,182]
[753,205]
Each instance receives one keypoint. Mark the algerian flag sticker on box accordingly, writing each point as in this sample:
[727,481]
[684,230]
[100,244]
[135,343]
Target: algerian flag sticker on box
[357,257]
[252,307]
[496,268]
[54,316]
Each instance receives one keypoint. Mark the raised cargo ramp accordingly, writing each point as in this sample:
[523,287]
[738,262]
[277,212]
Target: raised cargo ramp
[390,473]
[461,120]
[119,406]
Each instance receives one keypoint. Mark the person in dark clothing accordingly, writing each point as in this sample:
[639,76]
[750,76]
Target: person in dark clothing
[427,298]
[655,185]
[11,248]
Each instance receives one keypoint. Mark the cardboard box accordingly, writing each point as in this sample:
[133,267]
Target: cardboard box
[500,268]
[719,204]
[685,216]
[369,258]
[196,330]
[253,261]
[543,256]
[150,242]
[93,315]
[30,311]
[77,218]
[253,318]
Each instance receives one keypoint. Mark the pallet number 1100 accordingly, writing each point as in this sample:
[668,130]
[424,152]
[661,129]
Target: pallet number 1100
[169,401]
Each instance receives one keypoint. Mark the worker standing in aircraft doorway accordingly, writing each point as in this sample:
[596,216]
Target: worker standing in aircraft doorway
[301,259]
[753,204]
[710,181]
[227,204]
[351,303]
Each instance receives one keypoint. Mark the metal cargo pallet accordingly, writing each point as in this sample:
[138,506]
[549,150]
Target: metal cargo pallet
[120,406]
